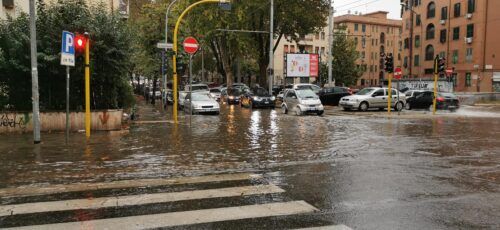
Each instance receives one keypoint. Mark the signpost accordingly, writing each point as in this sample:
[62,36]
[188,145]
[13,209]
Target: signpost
[67,59]
[398,73]
[190,45]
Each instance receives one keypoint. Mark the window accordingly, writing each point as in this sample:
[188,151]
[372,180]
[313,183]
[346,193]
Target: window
[431,10]
[468,79]
[471,6]
[363,54]
[316,50]
[322,36]
[456,10]
[456,33]
[323,50]
[373,42]
[442,54]
[454,58]
[286,49]
[375,68]
[376,42]
[362,81]
[292,49]
[454,78]
[429,53]
[405,62]
[468,55]
[416,60]
[371,68]
[444,13]
[363,28]
[417,2]
[430,32]
[317,36]
[407,43]
[355,27]
[418,20]
[417,41]
[442,36]
[363,42]
[356,40]
[470,30]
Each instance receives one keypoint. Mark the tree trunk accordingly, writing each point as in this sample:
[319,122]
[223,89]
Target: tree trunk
[154,91]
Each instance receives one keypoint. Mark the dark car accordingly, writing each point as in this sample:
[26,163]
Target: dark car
[332,95]
[257,97]
[233,95]
[418,99]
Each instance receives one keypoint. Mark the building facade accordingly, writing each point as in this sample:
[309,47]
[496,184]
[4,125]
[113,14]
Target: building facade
[311,43]
[465,32]
[375,36]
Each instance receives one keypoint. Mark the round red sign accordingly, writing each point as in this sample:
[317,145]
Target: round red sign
[398,73]
[190,45]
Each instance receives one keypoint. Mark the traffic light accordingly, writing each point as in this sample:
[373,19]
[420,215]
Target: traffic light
[80,41]
[441,65]
[389,63]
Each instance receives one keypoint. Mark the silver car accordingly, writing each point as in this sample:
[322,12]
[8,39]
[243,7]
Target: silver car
[301,101]
[373,97]
[198,103]
[215,93]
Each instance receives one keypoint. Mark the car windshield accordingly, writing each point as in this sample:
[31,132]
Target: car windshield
[234,92]
[199,87]
[300,87]
[447,95]
[261,92]
[215,91]
[200,97]
[306,94]
[365,91]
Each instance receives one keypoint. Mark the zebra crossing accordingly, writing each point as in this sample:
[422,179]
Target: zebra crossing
[191,202]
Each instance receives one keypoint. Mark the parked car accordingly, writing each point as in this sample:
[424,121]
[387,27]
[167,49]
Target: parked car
[301,101]
[240,86]
[197,87]
[373,97]
[200,102]
[233,95]
[257,97]
[215,93]
[418,99]
[332,95]
[312,87]
[182,96]
[447,101]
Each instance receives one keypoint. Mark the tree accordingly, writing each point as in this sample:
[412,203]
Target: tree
[110,52]
[345,71]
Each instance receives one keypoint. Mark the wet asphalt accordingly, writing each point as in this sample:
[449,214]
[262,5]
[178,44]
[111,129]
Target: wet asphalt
[362,170]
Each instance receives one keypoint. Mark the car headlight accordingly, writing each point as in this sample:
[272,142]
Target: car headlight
[273,98]
[257,98]
[231,97]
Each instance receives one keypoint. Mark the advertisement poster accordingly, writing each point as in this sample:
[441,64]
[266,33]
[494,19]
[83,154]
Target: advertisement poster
[302,65]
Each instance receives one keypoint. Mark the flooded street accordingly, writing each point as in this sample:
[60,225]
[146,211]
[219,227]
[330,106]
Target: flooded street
[360,171]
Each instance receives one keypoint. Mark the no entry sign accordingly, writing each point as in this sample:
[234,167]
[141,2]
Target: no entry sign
[190,45]
[398,73]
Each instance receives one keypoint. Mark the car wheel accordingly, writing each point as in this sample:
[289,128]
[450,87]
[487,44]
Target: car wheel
[363,106]
[284,110]
[408,106]
[298,112]
[398,106]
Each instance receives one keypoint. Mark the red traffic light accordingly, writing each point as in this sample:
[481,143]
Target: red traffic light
[80,42]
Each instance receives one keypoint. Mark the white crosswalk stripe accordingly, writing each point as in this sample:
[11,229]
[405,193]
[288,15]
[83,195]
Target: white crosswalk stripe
[165,217]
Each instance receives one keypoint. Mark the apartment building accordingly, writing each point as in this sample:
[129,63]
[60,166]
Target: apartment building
[465,32]
[375,36]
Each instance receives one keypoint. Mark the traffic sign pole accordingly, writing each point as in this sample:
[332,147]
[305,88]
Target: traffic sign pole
[67,59]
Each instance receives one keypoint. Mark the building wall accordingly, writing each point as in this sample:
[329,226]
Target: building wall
[472,73]
[312,43]
[373,28]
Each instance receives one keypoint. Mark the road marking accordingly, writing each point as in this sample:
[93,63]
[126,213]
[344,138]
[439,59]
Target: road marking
[331,227]
[31,191]
[186,217]
[105,202]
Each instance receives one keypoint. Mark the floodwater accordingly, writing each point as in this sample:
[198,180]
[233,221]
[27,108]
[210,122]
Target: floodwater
[365,172]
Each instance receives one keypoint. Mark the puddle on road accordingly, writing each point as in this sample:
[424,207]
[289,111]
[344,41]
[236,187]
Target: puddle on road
[240,140]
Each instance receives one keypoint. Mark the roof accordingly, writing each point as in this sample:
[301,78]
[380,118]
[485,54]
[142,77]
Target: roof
[373,18]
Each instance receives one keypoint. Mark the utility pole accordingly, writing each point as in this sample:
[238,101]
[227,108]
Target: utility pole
[330,42]
[271,48]
[34,74]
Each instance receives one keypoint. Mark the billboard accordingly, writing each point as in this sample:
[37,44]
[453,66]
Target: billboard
[301,65]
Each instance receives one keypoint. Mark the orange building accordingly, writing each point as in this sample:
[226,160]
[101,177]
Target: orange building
[465,32]
[374,34]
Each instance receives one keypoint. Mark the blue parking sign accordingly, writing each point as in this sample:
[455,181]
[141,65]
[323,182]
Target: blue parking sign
[68,49]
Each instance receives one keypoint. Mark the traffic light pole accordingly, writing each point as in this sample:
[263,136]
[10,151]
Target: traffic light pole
[434,102]
[87,85]
[175,49]
[389,92]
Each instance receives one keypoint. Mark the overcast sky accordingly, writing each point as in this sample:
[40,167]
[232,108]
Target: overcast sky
[367,6]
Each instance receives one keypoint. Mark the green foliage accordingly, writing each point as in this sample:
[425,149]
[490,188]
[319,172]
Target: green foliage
[345,71]
[110,50]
